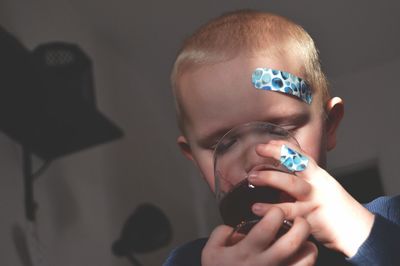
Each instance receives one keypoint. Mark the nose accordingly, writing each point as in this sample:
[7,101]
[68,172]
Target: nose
[253,161]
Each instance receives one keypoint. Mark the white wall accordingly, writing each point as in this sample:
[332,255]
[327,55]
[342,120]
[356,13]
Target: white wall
[11,203]
[84,198]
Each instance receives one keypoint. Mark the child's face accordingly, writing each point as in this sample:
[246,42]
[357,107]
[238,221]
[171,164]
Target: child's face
[219,97]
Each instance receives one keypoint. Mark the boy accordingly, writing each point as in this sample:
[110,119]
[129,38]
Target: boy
[224,77]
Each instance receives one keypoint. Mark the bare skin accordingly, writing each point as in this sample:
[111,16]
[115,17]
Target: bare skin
[259,246]
[218,97]
[337,220]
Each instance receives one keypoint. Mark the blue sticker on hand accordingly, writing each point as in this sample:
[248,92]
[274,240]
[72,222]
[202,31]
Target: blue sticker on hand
[281,81]
[293,160]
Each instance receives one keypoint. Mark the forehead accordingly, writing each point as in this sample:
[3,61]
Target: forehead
[221,95]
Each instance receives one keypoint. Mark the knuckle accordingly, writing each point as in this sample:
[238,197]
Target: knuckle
[221,230]
[302,185]
[292,180]
[304,225]
[209,255]
[312,254]
[294,243]
[277,212]
[288,212]
[307,188]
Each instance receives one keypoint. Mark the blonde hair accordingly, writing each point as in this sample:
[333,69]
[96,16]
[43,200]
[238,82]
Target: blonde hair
[253,32]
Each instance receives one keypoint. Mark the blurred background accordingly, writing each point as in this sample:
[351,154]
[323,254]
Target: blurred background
[84,198]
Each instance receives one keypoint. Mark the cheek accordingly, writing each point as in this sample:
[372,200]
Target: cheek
[313,142]
[204,162]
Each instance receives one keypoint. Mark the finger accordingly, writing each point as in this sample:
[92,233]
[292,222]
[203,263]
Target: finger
[234,238]
[219,236]
[272,149]
[291,210]
[288,244]
[291,157]
[293,185]
[264,232]
[307,255]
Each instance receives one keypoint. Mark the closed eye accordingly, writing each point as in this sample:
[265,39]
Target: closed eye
[291,129]
[225,145]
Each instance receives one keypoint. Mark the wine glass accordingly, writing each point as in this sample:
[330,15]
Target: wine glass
[235,157]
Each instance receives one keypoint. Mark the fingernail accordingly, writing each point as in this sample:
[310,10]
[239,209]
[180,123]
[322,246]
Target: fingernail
[261,146]
[257,207]
[253,176]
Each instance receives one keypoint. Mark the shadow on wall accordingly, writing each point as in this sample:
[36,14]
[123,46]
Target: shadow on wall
[47,98]
[21,244]
[146,229]
[47,105]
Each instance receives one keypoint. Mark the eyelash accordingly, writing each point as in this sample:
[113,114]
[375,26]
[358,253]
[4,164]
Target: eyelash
[292,129]
[225,146]
[213,146]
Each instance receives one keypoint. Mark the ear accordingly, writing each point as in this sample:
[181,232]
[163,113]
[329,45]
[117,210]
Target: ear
[335,112]
[185,147]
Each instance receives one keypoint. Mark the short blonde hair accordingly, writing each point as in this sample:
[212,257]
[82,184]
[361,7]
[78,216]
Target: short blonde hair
[253,32]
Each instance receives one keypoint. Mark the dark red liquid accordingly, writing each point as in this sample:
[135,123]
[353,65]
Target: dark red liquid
[235,207]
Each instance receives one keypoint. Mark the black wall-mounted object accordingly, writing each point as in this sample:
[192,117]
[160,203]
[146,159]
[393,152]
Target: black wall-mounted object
[47,99]
[146,229]
[47,104]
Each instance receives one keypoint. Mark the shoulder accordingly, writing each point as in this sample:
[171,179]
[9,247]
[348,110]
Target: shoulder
[187,254]
[381,246]
[387,207]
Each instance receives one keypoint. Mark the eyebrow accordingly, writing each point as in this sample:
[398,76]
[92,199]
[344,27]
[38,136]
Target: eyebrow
[300,118]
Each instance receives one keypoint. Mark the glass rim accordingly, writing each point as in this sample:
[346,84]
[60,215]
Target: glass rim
[237,127]
[249,124]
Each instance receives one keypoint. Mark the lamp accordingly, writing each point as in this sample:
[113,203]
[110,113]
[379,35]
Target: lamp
[145,230]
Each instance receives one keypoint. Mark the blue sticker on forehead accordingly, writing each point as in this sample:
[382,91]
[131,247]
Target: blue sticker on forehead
[281,81]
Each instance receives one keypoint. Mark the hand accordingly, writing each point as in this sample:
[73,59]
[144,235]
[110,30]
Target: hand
[259,246]
[337,220]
